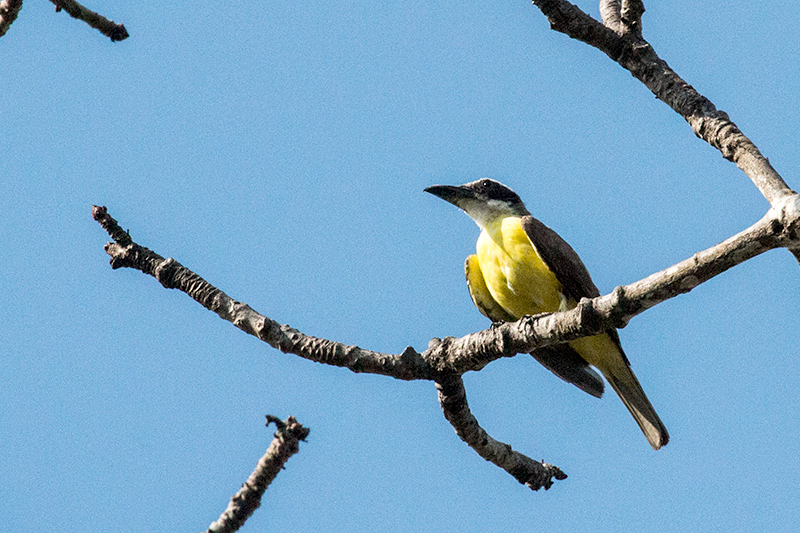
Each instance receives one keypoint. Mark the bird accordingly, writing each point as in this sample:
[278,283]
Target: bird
[523,267]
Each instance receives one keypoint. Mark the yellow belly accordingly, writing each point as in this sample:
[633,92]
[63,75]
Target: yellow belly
[515,274]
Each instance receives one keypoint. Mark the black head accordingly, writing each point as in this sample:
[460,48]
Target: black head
[483,200]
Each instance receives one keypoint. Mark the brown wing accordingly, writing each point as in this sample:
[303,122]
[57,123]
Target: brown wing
[565,264]
[561,259]
[577,283]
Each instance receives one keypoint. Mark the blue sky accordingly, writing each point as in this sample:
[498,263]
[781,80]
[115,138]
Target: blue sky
[280,150]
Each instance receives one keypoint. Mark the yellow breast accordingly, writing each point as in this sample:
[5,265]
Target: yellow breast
[515,274]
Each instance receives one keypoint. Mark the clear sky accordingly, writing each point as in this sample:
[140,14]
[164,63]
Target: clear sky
[280,150]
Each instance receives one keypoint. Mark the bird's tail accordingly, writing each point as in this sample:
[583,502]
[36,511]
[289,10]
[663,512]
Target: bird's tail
[627,387]
[605,353]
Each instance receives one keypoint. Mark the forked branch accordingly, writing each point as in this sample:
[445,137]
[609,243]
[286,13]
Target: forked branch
[433,364]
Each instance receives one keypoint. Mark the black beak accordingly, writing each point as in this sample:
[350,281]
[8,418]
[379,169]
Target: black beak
[451,193]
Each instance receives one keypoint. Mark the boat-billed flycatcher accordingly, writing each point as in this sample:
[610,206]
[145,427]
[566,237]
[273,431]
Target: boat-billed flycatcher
[522,267]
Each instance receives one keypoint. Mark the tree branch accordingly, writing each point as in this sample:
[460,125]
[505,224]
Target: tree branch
[109,28]
[611,15]
[172,275]
[631,13]
[446,359]
[638,57]
[242,505]
[9,9]
[453,399]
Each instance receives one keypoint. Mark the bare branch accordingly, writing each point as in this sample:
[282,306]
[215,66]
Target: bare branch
[453,399]
[109,28]
[9,9]
[449,356]
[172,275]
[242,505]
[638,57]
[780,227]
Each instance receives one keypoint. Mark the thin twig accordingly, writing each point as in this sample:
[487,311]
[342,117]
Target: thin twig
[109,28]
[172,275]
[242,505]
